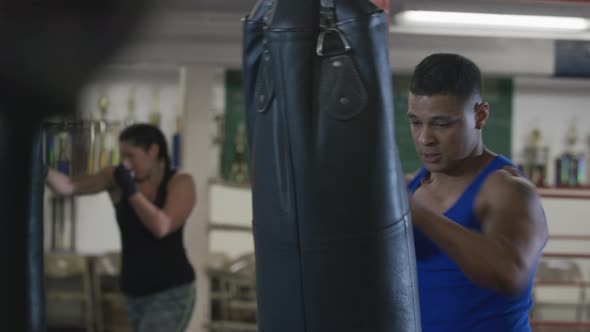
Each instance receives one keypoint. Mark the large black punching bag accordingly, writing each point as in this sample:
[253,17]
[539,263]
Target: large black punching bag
[333,238]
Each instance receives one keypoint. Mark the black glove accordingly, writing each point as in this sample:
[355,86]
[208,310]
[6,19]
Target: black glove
[125,181]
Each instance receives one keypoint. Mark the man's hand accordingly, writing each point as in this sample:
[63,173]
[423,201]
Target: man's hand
[418,210]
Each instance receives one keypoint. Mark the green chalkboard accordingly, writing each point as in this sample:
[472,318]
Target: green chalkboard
[497,133]
[234,150]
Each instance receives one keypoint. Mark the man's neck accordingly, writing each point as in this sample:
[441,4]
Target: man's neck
[464,171]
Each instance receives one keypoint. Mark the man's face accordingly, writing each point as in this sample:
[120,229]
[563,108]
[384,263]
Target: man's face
[445,129]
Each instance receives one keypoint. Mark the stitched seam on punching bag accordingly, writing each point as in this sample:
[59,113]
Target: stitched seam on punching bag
[294,210]
[412,269]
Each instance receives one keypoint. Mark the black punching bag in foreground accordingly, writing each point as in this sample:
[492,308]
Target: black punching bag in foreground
[49,52]
[333,239]
[21,227]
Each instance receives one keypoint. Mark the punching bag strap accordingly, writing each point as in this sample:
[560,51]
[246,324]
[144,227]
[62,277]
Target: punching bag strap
[326,45]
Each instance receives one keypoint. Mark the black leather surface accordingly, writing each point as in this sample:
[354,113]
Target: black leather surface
[21,245]
[49,53]
[35,272]
[333,240]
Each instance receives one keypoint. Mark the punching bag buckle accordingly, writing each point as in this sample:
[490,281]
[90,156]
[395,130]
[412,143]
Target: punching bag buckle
[325,37]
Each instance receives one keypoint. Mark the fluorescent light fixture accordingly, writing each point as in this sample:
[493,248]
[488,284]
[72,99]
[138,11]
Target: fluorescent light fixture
[480,20]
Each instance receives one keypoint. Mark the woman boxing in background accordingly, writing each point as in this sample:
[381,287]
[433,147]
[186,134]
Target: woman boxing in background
[152,204]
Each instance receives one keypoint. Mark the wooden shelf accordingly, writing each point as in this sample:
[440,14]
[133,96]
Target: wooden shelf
[227,326]
[565,192]
[569,237]
[566,255]
[552,283]
[560,323]
[229,227]
[222,182]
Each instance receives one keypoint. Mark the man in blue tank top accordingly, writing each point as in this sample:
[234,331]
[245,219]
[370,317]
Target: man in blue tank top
[479,224]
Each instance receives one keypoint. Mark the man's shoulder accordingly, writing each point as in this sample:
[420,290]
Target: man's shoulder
[508,183]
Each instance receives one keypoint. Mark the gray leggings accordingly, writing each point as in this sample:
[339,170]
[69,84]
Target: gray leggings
[166,311]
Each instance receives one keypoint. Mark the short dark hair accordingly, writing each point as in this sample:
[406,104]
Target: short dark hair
[143,135]
[446,74]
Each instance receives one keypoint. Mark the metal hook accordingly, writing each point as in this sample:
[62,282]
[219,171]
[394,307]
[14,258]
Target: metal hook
[322,38]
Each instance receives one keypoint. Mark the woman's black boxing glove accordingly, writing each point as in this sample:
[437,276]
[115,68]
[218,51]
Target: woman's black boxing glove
[125,181]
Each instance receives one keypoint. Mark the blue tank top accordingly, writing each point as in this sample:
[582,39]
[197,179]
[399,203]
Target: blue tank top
[449,301]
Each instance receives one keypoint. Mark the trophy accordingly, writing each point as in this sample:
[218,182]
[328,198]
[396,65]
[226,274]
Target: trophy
[103,106]
[239,169]
[569,167]
[177,143]
[155,116]
[131,117]
[535,158]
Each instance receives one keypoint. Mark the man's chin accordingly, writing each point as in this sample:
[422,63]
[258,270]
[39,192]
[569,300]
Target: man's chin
[434,168]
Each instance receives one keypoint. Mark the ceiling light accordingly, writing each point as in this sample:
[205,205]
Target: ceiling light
[461,19]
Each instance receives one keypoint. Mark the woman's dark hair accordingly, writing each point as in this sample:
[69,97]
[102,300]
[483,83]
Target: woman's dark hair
[143,135]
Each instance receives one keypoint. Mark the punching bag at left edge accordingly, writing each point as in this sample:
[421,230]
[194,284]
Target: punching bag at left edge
[21,251]
[35,272]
